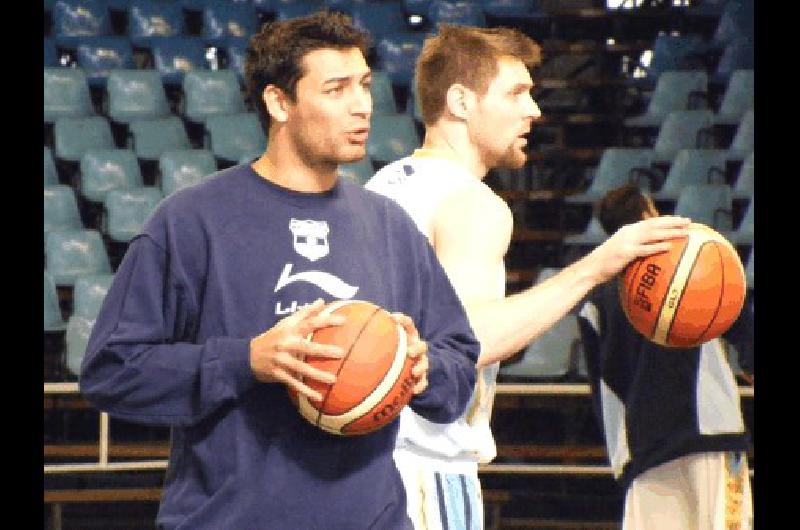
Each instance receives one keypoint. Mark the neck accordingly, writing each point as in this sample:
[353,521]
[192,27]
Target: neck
[453,139]
[283,165]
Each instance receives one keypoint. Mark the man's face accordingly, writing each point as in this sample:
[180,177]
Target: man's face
[329,121]
[503,115]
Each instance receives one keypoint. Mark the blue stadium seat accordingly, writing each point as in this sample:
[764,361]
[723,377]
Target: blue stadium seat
[515,10]
[738,55]
[74,20]
[50,171]
[150,20]
[66,94]
[75,136]
[735,21]
[298,8]
[89,293]
[737,99]
[419,8]
[135,95]
[174,57]
[103,170]
[745,232]
[750,268]
[181,168]
[61,209]
[461,12]
[50,53]
[359,172]
[592,235]
[744,141]
[709,204]
[672,52]
[550,356]
[383,101]
[397,55]
[379,18]
[222,20]
[618,166]
[744,188]
[230,137]
[683,129]
[235,53]
[391,136]
[151,137]
[53,319]
[127,210]
[211,92]
[98,56]
[79,329]
[675,90]
[70,254]
[692,166]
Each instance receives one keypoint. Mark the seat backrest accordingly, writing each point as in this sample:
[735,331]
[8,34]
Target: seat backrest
[750,268]
[735,20]
[747,224]
[151,137]
[739,95]
[359,172]
[53,319]
[174,57]
[379,18]
[50,172]
[208,93]
[127,210]
[397,54]
[224,20]
[70,254]
[89,293]
[181,168]
[383,101]
[681,130]
[673,89]
[50,53]
[392,136]
[745,180]
[79,329]
[99,56]
[695,166]
[672,52]
[232,136]
[461,12]
[553,354]
[744,140]
[136,94]
[61,209]
[66,94]
[616,163]
[103,170]
[296,9]
[147,19]
[75,136]
[80,18]
[739,54]
[709,204]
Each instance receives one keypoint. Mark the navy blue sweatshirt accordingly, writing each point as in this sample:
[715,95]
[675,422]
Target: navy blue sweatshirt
[220,263]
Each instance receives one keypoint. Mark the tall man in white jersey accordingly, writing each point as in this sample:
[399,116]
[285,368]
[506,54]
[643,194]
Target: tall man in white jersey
[474,90]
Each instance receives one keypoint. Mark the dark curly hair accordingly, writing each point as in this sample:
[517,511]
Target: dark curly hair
[275,54]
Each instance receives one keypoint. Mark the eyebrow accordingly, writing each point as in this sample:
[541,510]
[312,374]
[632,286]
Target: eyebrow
[345,78]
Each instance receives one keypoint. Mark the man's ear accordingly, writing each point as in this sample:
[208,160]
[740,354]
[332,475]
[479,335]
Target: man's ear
[459,100]
[276,102]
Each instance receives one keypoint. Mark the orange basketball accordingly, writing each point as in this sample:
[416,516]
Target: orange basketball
[687,295]
[373,379]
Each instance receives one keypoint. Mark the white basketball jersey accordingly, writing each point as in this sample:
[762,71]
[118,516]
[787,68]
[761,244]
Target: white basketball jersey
[420,183]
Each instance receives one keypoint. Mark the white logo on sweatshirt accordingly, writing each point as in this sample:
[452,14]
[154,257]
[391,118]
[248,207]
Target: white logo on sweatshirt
[310,238]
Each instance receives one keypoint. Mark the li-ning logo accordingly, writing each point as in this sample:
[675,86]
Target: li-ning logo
[310,238]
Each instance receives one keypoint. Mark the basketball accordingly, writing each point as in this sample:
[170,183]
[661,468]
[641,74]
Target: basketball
[373,379]
[688,295]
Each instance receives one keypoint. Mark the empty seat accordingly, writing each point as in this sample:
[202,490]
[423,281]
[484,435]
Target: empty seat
[683,129]
[174,57]
[50,53]
[550,356]
[675,90]
[461,12]
[745,232]
[692,166]
[230,137]
[744,141]
[103,170]
[53,319]
[235,53]
[70,254]
[419,8]
[672,52]
[391,136]
[359,172]
[50,172]
[379,18]
[89,293]
[517,10]
[208,93]
[397,55]
[224,20]
[150,20]
[737,99]
[76,19]
[151,137]
[99,56]
[136,94]
[128,209]
[709,204]
[383,101]
[181,168]
[617,167]
[295,9]
[61,209]
[750,269]
[744,188]
[79,329]
[735,21]
[66,94]
[738,55]
[75,136]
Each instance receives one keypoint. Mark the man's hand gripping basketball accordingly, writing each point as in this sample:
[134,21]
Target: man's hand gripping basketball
[417,349]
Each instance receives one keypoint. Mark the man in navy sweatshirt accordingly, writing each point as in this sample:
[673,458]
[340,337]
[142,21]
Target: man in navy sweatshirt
[204,326]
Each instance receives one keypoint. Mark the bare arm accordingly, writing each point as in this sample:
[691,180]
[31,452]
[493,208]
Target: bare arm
[471,246]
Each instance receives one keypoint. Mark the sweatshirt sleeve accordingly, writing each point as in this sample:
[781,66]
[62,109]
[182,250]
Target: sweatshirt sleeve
[141,362]
[452,347]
